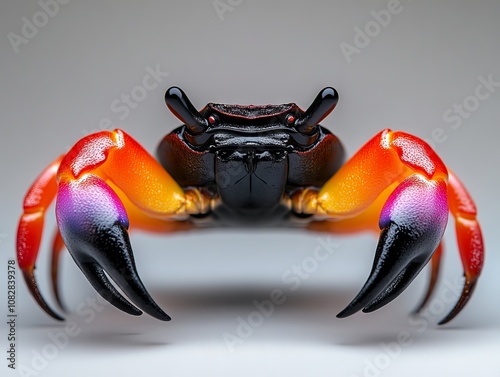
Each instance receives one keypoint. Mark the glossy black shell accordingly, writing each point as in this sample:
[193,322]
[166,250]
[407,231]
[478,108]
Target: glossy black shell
[251,158]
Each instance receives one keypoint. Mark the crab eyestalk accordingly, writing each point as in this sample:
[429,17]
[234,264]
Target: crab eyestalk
[323,104]
[178,103]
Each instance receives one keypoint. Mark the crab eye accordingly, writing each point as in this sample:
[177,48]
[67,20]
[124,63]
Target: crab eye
[290,119]
[212,119]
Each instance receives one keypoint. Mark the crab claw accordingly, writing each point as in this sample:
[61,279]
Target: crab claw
[412,223]
[93,223]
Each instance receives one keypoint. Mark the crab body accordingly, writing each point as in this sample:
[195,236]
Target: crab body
[234,165]
[250,160]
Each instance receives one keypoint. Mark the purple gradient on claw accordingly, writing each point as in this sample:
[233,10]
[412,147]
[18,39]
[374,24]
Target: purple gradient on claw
[87,203]
[418,203]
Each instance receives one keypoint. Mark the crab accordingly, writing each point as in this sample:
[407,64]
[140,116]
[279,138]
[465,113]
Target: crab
[249,165]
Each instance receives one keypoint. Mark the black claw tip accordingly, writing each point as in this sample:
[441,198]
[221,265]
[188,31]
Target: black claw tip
[116,259]
[98,279]
[395,288]
[133,287]
[348,311]
[467,291]
[399,258]
[29,277]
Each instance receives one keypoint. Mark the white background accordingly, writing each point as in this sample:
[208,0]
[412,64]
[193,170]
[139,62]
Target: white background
[60,85]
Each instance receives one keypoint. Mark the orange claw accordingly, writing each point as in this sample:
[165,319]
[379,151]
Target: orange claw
[105,176]
[117,157]
[382,171]
[387,158]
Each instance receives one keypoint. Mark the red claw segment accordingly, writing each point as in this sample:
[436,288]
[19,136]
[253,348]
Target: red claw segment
[36,202]
[412,224]
[417,155]
[93,223]
[469,238]
[29,231]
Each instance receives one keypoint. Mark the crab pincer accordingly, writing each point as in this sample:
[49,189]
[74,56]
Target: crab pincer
[93,224]
[412,224]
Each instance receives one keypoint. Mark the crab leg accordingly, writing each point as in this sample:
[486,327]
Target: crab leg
[412,219]
[435,269]
[57,248]
[92,217]
[29,232]
[469,239]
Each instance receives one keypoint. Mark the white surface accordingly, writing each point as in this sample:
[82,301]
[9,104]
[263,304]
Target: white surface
[62,83]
